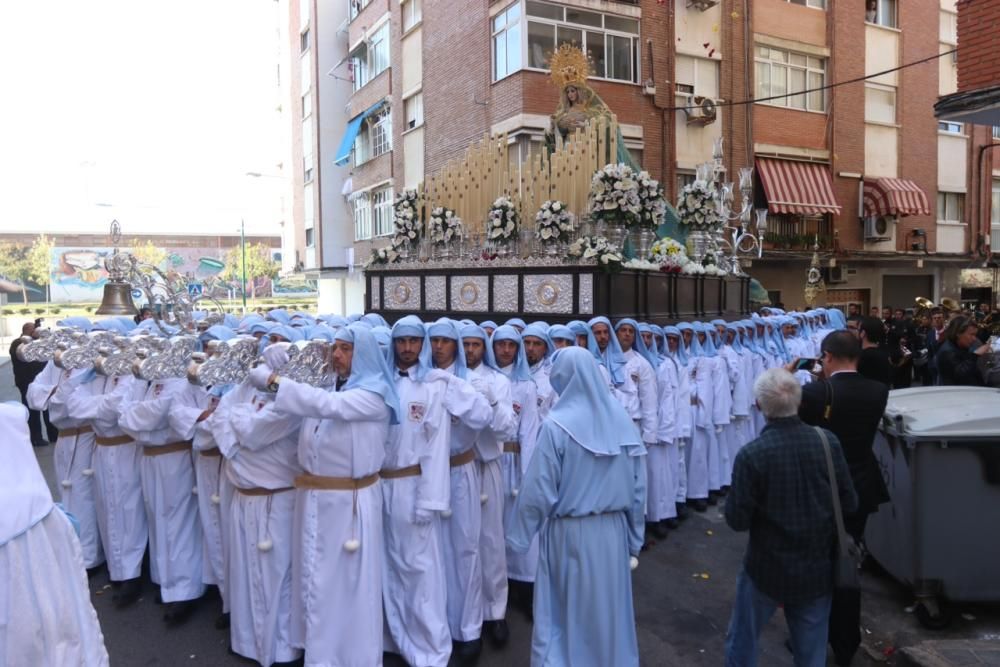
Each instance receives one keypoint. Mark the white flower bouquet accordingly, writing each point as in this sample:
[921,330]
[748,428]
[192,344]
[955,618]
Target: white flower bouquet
[670,255]
[614,195]
[443,226]
[599,250]
[406,218]
[386,255]
[553,223]
[502,221]
[697,208]
[653,205]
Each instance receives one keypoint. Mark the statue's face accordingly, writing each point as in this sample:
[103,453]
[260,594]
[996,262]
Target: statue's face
[572,94]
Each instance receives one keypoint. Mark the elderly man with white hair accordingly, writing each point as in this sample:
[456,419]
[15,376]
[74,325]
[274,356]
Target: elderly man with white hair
[781,493]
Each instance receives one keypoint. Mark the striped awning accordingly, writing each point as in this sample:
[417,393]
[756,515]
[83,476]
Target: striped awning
[797,187]
[894,196]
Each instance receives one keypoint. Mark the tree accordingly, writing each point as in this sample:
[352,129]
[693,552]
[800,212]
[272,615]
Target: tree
[148,253]
[40,261]
[14,265]
[259,265]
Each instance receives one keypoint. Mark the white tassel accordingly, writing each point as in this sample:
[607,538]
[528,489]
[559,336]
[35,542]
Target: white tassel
[216,499]
[194,490]
[446,514]
[633,562]
[265,545]
[88,472]
[483,498]
[352,545]
[66,484]
[515,492]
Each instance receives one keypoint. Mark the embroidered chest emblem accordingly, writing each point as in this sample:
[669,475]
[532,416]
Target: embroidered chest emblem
[416,411]
[635,378]
[517,408]
[157,390]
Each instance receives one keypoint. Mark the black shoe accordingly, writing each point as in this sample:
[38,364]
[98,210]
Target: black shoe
[682,511]
[498,632]
[222,622]
[672,524]
[93,571]
[159,598]
[699,505]
[723,491]
[128,593]
[467,653]
[656,530]
[290,663]
[178,612]
[713,498]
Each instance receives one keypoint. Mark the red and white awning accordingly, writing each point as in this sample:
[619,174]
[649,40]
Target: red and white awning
[797,187]
[894,196]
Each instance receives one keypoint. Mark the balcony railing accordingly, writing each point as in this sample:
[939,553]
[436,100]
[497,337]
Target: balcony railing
[995,238]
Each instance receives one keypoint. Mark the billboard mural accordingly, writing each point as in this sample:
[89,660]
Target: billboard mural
[78,274]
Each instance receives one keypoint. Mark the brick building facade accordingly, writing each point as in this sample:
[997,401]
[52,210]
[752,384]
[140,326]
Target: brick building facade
[429,77]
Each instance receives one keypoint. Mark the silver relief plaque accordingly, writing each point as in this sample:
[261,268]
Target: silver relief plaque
[550,293]
[434,296]
[587,293]
[402,293]
[469,293]
[505,293]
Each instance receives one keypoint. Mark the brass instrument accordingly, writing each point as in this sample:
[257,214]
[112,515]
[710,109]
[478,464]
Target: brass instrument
[950,306]
[924,307]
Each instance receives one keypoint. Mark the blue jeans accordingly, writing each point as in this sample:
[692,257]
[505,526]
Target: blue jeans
[807,623]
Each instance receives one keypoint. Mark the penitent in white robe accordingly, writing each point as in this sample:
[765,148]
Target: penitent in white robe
[175,537]
[259,444]
[337,594]
[121,515]
[74,454]
[661,457]
[521,565]
[415,589]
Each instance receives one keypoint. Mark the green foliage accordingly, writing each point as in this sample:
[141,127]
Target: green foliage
[258,265]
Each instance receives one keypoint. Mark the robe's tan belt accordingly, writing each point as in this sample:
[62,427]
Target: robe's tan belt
[114,440]
[408,471]
[169,448]
[71,432]
[468,456]
[321,483]
[212,451]
[511,448]
[260,491]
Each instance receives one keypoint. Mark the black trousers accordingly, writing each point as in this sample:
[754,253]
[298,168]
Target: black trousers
[35,421]
[845,611]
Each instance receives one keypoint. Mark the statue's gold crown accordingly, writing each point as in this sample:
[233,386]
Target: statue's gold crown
[569,65]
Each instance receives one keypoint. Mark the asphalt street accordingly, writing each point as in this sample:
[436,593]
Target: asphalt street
[683,593]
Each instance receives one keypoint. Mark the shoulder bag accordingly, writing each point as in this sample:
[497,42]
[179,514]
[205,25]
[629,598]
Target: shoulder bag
[848,558]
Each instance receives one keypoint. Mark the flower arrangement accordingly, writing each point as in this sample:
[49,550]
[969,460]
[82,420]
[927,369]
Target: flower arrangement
[696,269]
[696,207]
[606,255]
[502,221]
[386,255]
[653,205]
[614,195]
[553,223]
[406,218]
[443,226]
[670,255]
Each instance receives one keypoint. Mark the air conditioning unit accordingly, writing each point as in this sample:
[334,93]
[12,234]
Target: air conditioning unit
[701,110]
[702,5]
[835,275]
[879,228]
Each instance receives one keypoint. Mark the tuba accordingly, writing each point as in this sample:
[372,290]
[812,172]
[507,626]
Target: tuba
[924,307]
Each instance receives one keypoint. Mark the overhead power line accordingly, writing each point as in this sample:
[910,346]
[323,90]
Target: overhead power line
[828,86]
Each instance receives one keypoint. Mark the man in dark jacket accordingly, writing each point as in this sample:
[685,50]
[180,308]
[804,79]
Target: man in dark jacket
[851,406]
[957,359]
[24,373]
[874,362]
[781,493]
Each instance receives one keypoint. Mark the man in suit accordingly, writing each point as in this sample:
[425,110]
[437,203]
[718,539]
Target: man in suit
[851,406]
[935,338]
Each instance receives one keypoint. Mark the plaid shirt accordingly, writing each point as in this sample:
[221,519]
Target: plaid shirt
[781,494]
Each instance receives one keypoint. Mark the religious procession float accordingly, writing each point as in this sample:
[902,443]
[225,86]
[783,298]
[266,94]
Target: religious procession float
[577,230]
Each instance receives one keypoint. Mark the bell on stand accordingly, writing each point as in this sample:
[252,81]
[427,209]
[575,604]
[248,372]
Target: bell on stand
[117,299]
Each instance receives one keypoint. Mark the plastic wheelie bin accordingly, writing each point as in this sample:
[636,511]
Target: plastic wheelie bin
[939,451]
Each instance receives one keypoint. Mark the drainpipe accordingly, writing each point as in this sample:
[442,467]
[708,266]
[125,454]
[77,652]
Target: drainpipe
[982,240]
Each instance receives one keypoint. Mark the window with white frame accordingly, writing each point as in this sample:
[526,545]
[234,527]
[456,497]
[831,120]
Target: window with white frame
[304,41]
[307,103]
[382,211]
[412,13]
[815,4]
[354,7]
[948,27]
[413,106]
[697,76]
[371,58]
[611,42]
[308,165]
[375,136]
[309,238]
[996,131]
[786,75]
[880,103]
[684,179]
[881,12]
[506,32]
[995,209]
[362,217]
[949,127]
[951,206]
